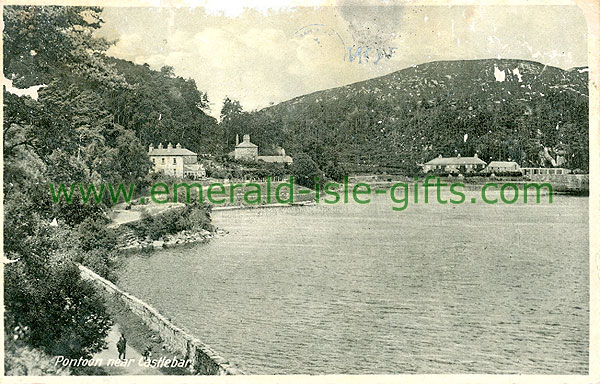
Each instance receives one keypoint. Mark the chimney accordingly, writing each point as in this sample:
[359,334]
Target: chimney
[160,146]
[458,155]
[169,146]
[150,147]
[246,138]
[178,146]
[475,156]
[440,156]
[237,139]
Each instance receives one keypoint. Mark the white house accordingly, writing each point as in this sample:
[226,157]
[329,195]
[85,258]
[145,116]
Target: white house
[178,161]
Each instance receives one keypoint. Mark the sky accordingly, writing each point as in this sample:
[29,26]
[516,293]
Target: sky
[268,55]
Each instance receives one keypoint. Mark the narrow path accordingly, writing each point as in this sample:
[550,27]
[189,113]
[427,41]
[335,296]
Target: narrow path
[130,366]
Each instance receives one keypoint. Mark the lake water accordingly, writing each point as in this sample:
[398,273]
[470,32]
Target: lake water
[359,289]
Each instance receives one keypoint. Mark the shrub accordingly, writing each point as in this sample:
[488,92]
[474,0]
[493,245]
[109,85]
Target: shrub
[103,262]
[63,313]
[192,216]
[199,217]
[22,360]
[305,170]
[93,233]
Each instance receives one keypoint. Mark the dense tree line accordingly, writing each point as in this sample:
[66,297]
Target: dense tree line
[95,116]
[91,123]
[61,137]
[404,119]
[163,107]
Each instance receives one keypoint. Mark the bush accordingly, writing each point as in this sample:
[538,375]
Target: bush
[305,171]
[192,216]
[22,360]
[199,216]
[335,171]
[217,173]
[103,262]
[93,233]
[63,313]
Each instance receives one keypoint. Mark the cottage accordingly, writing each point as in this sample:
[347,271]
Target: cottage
[454,164]
[178,161]
[246,150]
[503,167]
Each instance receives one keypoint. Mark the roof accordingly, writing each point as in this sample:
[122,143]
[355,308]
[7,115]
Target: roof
[171,152]
[246,144]
[502,164]
[276,159]
[455,161]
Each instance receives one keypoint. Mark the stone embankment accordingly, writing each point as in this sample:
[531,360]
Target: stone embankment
[204,361]
[566,183]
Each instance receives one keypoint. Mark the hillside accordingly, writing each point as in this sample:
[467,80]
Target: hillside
[162,107]
[499,108]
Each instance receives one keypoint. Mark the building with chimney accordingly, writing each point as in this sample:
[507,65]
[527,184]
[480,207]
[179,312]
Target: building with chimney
[176,161]
[248,151]
[245,150]
[454,165]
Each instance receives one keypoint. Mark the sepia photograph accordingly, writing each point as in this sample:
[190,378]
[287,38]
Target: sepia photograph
[341,189]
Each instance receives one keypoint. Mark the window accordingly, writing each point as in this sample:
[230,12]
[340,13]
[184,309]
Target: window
[154,160]
[174,160]
[162,160]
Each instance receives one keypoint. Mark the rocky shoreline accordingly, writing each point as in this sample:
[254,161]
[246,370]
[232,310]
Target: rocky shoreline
[129,242]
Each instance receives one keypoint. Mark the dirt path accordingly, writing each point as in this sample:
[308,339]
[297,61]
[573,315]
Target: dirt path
[129,366]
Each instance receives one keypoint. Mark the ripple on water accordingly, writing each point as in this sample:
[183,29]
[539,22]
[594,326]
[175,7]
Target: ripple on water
[364,289]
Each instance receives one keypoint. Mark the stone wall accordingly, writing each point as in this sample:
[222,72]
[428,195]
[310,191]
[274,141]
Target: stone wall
[565,183]
[204,360]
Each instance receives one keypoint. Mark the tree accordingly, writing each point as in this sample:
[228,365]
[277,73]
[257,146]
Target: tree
[305,171]
[232,116]
[45,294]
[162,107]
[58,138]
[45,42]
